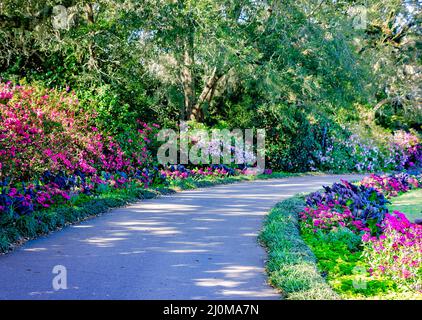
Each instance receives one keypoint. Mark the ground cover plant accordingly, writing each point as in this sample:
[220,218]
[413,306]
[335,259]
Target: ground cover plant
[363,249]
[291,264]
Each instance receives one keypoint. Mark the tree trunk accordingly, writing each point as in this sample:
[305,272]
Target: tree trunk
[90,13]
[206,95]
[92,61]
[187,77]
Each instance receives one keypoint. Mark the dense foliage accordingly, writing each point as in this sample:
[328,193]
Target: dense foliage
[328,91]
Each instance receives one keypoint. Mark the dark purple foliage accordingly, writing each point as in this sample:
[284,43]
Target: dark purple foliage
[364,203]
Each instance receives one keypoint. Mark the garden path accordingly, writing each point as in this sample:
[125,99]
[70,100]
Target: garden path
[199,244]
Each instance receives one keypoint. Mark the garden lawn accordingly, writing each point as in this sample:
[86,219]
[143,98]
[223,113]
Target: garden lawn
[410,203]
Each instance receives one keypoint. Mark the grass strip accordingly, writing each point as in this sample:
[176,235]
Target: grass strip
[291,264]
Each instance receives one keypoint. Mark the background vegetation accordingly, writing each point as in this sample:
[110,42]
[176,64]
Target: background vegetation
[306,71]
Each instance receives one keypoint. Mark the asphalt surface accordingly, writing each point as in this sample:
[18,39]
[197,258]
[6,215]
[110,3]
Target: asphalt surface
[199,244]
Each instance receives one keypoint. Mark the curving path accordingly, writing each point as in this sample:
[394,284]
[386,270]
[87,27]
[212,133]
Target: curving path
[199,244]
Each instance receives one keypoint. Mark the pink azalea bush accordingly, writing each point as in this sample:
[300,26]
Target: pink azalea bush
[49,148]
[47,130]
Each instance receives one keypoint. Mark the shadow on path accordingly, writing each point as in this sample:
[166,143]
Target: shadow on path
[199,244]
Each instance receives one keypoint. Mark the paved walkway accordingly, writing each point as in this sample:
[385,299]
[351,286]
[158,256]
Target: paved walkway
[199,244]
